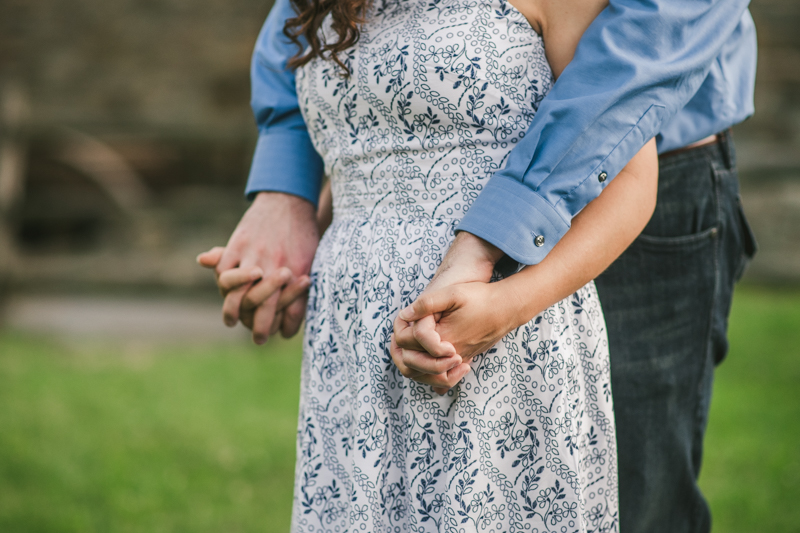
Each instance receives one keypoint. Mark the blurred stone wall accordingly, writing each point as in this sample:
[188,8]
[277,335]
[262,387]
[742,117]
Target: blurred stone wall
[769,144]
[168,68]
[126,135]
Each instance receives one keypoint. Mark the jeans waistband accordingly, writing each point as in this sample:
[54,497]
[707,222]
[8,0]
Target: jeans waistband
[722,148]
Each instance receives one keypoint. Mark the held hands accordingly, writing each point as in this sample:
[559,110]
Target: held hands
[263,271]
[255,277]
[458,316]
[291,288]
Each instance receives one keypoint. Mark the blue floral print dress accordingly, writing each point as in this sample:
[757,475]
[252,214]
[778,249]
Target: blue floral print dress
[440,92]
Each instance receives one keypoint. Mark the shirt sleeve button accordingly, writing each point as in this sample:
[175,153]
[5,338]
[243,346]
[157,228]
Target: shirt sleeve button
[602,177]
[539,240]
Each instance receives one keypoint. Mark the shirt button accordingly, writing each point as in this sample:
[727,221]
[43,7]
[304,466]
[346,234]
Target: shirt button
[602,176]
[539,240]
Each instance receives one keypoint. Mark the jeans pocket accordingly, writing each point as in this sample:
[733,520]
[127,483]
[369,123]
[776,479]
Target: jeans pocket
[654,243]
[657,301]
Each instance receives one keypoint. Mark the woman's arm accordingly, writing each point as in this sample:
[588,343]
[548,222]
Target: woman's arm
[561,23]
[460,307]
[599,234]
[638,64]
[452,322]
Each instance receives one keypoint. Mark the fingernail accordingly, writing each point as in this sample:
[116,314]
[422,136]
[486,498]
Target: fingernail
[256,273]
[198,257]
[406,313]
[229,321]
[258,339]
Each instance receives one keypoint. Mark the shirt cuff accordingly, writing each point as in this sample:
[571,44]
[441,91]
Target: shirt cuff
[287,162]
[516,219]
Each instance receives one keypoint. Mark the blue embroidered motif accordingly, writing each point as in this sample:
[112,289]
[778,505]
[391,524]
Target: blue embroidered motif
[440,92]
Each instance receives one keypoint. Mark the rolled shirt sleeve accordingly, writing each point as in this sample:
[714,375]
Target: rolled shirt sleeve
[285,159]
[636,67]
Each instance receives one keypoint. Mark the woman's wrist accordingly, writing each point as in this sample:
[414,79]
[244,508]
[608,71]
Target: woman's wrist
[519,298]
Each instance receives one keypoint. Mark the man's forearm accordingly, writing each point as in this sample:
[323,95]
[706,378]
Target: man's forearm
[285,159]
[636,66]
[590,245]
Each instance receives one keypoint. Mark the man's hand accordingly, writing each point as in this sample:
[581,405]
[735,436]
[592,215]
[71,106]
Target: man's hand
[278,235]
[235,278]
[417,346]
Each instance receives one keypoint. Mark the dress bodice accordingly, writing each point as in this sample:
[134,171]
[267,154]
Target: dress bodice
[439,93]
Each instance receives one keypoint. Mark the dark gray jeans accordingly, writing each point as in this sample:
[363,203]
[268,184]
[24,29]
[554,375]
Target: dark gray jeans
[666,302]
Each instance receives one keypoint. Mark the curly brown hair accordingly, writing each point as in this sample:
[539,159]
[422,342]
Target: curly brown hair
[347,15]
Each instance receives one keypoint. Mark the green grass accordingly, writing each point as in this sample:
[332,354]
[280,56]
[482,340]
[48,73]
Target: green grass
[146,440]
[137,439]
[751,470]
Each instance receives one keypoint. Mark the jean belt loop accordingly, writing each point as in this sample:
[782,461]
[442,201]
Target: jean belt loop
[726,148]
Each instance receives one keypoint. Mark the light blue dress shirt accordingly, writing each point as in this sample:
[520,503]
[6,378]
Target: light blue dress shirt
[678,70]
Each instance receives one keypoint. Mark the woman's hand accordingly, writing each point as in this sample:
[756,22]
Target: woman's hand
[278,231]
[450,369]
[473,316]
[417,342]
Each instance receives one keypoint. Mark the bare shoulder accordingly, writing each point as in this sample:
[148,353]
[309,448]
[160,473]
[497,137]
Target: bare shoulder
[561,24]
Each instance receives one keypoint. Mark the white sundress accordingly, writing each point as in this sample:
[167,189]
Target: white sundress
[440,92]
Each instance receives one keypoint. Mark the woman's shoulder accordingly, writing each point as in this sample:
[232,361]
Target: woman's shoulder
[561,24]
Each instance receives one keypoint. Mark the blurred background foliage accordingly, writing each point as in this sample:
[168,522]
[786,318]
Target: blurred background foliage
[125,405]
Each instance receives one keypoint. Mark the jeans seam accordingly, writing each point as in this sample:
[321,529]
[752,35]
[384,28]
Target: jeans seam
[707,355]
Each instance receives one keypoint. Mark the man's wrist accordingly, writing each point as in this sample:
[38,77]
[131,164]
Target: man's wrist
[479,248]
[269,196]
[297,204]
